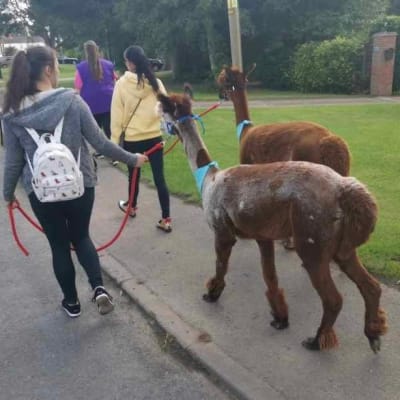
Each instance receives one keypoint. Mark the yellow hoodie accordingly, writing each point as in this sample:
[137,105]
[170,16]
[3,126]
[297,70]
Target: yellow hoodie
[145,123]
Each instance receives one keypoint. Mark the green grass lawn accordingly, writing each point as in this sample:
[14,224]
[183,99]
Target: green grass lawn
[373,137]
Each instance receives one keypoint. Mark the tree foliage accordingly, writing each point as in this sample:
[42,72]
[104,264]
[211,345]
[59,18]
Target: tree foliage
[193,35]
[13,17]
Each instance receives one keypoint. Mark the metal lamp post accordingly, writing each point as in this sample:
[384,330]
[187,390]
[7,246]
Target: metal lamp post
[234,30]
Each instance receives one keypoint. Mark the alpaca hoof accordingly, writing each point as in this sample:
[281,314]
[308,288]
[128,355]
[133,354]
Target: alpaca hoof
[215,289]
[375,344]
[311,343]
[288,243]
[211,297]
[279,323]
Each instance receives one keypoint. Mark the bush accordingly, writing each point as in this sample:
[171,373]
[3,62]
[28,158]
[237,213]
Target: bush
[331,66]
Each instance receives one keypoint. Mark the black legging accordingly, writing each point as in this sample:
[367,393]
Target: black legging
[157,168]
[103,120]
[67,222]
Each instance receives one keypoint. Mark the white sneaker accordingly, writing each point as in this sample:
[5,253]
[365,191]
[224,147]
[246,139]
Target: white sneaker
[103,300]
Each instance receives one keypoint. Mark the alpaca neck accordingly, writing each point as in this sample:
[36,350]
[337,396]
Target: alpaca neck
[240,104]
[194,146]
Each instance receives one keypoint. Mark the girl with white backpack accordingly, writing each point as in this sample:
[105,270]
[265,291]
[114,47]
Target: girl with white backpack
[46,136]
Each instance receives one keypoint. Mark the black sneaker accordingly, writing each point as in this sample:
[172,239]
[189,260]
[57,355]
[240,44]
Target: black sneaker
[123,206]
[99,156]
[103,300]
[73,310]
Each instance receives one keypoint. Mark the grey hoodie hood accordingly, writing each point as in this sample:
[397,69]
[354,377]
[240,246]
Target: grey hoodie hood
[42,110]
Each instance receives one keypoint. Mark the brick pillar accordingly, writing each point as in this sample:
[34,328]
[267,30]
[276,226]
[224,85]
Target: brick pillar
[382,67]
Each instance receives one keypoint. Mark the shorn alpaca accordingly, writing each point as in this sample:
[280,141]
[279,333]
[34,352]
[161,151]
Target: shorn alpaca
[329,215]
[296,141]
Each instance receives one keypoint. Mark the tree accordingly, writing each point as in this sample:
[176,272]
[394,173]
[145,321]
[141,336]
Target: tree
[68,24]
[394,7]
[13,17]
[193,36]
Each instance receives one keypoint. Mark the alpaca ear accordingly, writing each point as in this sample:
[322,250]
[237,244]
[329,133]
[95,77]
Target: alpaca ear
[167,103]
[251,69]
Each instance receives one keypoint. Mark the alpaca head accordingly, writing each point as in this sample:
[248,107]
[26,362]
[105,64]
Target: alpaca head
[174,107]
[231,79]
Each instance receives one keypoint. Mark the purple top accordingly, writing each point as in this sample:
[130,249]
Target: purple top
[97,94]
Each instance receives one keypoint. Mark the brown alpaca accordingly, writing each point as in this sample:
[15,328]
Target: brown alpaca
[296,141]
[329,216]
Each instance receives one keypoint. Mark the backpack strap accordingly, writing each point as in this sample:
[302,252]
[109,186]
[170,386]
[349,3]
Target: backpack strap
[57,132]
[29,163]
[34,135]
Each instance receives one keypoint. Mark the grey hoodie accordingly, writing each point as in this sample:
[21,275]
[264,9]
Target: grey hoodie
[42,112]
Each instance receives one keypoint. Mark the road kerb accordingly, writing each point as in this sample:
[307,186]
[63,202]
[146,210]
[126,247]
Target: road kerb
[197,343]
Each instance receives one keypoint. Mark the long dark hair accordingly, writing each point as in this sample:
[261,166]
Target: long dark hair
[26,71]
[93,59]
[135,54]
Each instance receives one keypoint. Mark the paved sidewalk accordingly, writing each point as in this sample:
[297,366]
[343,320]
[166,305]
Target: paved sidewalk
[166,275]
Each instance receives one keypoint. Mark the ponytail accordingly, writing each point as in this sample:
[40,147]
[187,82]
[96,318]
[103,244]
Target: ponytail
[26,71]
[135,54]
[93,59]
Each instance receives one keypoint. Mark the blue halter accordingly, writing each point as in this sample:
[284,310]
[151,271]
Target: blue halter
[196,118]
[241,125]
[200,174]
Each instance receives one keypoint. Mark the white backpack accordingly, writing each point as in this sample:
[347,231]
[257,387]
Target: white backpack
[56,175]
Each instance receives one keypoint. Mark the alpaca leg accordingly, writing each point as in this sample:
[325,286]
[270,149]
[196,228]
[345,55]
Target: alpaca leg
[275,295]
[216,285]
[375,317]
[331,302]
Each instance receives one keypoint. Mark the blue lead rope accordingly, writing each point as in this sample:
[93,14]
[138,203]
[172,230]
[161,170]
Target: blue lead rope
[201,173]
[196,118]
[241,125]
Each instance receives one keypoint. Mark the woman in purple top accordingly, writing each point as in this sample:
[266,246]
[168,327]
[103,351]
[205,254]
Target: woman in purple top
[94,79]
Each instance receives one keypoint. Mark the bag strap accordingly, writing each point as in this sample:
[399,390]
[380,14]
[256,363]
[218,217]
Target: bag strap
[57,132]
[133,113]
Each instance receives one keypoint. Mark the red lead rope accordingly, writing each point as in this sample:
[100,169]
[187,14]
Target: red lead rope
[15,205]
[213,107]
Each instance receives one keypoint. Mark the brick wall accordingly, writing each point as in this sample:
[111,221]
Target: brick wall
[382,67]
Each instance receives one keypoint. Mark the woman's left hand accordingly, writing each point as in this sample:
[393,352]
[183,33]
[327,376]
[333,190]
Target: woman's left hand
[12,202]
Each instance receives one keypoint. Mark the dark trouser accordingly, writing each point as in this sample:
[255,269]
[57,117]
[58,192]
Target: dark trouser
[66,223]
[104,121]
[157,168]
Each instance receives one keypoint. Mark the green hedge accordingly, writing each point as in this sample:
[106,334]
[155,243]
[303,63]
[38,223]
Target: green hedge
[331,66]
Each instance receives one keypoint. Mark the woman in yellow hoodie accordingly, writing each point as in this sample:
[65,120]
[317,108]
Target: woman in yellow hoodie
[133,112]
